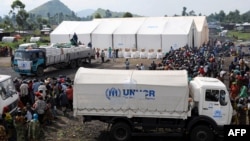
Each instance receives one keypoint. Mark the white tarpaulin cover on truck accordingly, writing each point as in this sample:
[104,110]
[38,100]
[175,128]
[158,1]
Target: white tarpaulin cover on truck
[131,93]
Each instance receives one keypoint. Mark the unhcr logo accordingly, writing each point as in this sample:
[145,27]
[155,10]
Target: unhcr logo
[113,92]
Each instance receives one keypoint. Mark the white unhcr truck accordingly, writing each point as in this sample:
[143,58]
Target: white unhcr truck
[8,95]
[137,102]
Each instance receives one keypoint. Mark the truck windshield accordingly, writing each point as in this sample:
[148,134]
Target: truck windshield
[7,89]
[215,96]
[19,55]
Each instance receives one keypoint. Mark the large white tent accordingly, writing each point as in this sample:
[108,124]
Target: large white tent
[202,35]
[102,36]
[178,33]
[66,30]
[149,35]
[125,35]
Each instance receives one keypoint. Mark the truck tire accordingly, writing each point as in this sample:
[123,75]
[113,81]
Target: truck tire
[79,62]
[72,64]
[40,71]
[120,131]
[201,133]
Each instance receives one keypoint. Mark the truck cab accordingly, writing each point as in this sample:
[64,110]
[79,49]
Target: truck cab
[29,61]
[8,95]
[211,100]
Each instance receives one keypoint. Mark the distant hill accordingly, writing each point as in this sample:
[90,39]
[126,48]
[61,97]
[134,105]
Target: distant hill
[56,6]
[85,12]
[52,7]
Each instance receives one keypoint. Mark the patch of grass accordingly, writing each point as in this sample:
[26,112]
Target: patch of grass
[239,35]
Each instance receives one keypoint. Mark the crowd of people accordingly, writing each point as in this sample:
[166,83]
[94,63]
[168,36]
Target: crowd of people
[39,101]
[5,51]
[209,61]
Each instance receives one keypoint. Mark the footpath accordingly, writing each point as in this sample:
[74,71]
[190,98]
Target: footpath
[5,61]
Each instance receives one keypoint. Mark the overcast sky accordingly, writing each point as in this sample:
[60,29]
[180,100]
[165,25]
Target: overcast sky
[143,7]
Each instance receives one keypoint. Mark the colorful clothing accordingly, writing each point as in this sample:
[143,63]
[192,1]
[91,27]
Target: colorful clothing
[3,135]
[34,130]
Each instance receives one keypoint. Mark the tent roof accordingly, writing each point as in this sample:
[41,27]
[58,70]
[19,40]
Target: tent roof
[86,27]
[200,21]
[107,26]
[66,27]
[129,26]
[153,25]
[178,26]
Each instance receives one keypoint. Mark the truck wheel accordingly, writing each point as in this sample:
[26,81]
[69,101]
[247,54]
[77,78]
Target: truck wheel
[79,62]
[73,64]
[202,133]
[40,71]
[120,132]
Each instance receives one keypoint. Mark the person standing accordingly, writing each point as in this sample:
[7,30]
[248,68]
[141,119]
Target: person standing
[110,51]
[64,102]
[127,64]
[153,65]
[40,107]
[97,54]
[116,53]
[43,88]
[142,67]
[102,55]
[69,92]
[20,126]
[113,55]
[89,58]
[34,129]
[3,133]
[24,91]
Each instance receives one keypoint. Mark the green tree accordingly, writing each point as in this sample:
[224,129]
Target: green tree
[127,14]
[98,16]
[21,15]
[191,13]
[221,16]
[184,11]
[246,17]
[108,13]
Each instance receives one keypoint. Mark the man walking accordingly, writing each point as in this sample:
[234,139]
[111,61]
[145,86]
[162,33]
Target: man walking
[102,56]
[127,64]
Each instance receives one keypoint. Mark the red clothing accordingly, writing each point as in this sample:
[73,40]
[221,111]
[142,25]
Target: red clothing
[234,91]
[69,93]
[201,71]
